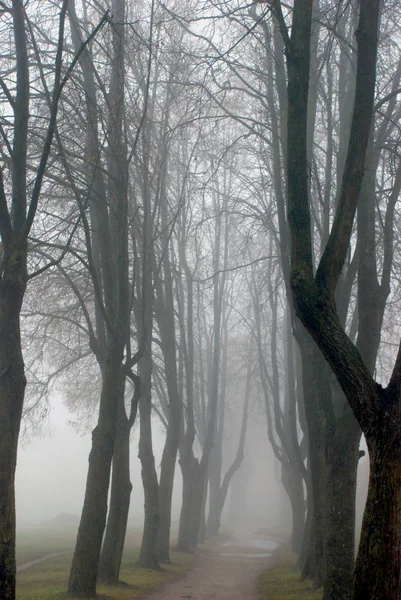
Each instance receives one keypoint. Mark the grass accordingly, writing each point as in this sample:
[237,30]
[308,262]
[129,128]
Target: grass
[35,543]
[282,580]
[48,580]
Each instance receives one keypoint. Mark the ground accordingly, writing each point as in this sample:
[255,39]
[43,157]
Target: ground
[240,568]
[221,572]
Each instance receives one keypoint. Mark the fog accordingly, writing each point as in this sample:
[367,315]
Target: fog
[52,469]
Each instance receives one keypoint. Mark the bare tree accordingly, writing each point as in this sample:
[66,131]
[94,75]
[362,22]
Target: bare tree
[19,201]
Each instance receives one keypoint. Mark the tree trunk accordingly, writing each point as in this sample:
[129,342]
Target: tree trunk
[121,487]
[215,465]
[342,474]
[85,562]
[314,377]
[197,506]
[380,545]
[294,485]
[202,524]
[148,554]
[188,469]
[12,389]
[307,541]
[167,471]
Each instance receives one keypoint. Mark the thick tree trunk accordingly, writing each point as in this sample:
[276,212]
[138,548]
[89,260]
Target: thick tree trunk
[84,568]
[12,389]
[121,487]
[378,566]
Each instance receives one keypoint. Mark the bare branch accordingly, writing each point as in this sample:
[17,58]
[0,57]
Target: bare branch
[58,87]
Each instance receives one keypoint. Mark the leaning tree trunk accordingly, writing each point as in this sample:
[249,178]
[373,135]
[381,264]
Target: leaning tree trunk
[12,389]
[121,487]
[84,568]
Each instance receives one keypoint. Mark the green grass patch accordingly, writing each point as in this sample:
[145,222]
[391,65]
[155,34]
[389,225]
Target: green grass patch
[35,543]
[48,580]
[282,580]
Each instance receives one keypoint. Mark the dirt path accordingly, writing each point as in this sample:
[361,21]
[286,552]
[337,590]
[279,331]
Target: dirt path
[220,572]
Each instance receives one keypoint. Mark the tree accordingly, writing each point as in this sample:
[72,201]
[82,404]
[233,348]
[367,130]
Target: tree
[107,250]
[376,409]
[19,201]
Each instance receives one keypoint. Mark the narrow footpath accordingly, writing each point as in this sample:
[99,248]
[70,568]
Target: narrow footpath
[222,571]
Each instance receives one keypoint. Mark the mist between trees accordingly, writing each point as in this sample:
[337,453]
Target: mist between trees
[199,223]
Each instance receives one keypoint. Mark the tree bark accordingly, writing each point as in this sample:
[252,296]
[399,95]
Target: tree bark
[168,463]
[188,462]
[121,487]
[378,565]
[148,554]
[148,558]
[16,219]
[341,491]
[314,380]
[376,409]
[84,568]
[12,389]
[294,486]
[188,466]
